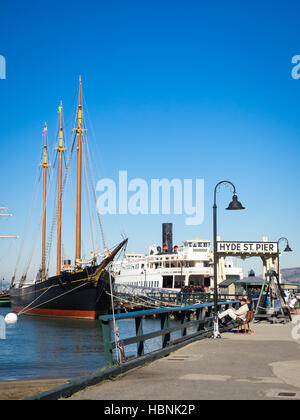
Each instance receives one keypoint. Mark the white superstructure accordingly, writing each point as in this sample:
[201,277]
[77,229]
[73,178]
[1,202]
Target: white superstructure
[188,265]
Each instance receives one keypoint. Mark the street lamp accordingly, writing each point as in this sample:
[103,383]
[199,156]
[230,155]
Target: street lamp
[234,205]
[287,249]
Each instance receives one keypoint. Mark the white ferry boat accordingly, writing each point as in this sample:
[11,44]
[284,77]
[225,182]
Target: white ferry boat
[168,267]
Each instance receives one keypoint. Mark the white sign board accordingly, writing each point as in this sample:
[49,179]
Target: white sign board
[248,247]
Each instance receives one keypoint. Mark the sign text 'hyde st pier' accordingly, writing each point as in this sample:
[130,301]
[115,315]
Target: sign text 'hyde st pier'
[247,247]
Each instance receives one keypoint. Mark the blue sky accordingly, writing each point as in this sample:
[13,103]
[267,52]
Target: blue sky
[174,89]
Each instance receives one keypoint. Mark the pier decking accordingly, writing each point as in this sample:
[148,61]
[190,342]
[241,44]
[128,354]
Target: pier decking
[263,365]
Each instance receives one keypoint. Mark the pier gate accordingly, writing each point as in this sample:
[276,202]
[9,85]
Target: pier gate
[267,251]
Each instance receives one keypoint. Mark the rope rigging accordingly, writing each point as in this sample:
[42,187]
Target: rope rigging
[50,300]
[38,228]
[95,224]
[95,196]
[28,220]
[92,226]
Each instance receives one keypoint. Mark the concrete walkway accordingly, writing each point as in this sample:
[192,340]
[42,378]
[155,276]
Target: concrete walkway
[251,367]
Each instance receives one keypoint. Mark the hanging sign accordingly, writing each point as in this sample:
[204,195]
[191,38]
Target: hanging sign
[247,247]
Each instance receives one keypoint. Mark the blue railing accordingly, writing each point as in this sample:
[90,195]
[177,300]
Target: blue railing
[202,326]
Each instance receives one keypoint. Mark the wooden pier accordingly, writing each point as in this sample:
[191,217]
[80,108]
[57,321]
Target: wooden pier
[202,328]
[263,365]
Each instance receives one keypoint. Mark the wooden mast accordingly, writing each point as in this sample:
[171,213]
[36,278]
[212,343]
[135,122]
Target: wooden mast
[60,149]
[45,166]
[79,130]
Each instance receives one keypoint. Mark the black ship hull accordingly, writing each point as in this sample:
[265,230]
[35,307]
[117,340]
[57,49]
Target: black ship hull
[74,295]
[4,300]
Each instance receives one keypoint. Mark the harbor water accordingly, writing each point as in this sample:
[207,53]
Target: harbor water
[38,347]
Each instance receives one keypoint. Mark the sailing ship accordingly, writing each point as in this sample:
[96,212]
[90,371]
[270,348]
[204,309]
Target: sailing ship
[79,291]
[4,299]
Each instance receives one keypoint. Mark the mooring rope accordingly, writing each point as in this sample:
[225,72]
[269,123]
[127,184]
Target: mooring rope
[147,298]
[141,304]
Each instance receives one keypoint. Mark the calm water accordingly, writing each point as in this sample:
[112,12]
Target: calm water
[39,347]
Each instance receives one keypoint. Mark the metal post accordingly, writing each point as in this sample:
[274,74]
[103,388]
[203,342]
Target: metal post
[108,351]
[200,316]
[216,320]
[182,316]
[139,333]
[234,205]
[209,311]
[287,249]
[278,266]
[164,322]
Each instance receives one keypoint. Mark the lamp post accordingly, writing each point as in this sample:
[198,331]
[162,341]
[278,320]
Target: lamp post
[234,205]
[287,249]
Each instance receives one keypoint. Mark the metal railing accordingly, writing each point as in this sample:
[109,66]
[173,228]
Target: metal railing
[203,327]
[161,298]
[193,298]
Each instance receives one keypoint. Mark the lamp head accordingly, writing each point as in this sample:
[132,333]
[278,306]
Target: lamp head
[288,249]
[235,204]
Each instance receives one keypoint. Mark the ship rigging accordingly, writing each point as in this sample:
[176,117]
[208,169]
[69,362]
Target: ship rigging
[78,290]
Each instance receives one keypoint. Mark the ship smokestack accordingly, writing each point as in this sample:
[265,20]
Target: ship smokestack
[167,237]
